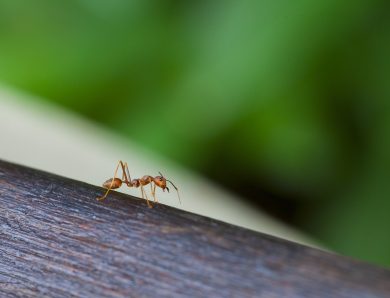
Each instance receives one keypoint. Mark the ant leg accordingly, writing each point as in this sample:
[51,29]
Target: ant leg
[127,170]
[153,189]
[126,175]
[112,183]
[145,196]
[147,200]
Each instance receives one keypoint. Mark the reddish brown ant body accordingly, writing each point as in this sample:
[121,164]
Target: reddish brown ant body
[158,181]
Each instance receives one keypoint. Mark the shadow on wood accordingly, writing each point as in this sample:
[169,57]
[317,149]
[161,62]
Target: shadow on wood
[57,240]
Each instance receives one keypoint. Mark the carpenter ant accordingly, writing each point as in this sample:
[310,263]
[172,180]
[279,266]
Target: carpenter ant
[159,181]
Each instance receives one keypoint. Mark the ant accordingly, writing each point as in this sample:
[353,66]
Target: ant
[159,181]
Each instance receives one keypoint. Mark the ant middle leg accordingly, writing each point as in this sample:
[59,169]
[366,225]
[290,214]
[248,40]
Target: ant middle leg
[143,193]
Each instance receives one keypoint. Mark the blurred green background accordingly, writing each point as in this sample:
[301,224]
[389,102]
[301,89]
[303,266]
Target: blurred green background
[284,102]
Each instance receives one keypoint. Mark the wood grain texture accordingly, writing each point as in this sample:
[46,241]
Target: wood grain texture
[56,240]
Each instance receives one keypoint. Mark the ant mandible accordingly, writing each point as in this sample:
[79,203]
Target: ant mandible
[159,181]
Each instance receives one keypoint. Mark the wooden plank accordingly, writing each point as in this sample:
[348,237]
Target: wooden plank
[57,240]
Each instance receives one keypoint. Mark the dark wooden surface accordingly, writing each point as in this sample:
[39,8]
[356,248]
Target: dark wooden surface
[56,240]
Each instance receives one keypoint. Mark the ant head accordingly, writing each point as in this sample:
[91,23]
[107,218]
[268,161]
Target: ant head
[161,182]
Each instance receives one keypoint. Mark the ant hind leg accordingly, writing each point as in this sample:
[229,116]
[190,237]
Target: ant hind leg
[126,174]
[112,183]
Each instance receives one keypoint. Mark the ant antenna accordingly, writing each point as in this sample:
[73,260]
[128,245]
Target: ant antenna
[177,190]
[178,195]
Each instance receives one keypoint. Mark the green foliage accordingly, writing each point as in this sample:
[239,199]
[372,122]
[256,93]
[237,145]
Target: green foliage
[292,93]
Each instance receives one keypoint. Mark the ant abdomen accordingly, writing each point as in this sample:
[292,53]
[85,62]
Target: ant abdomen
[112,183]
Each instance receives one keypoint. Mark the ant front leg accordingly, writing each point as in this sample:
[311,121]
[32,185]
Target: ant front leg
[153,190]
